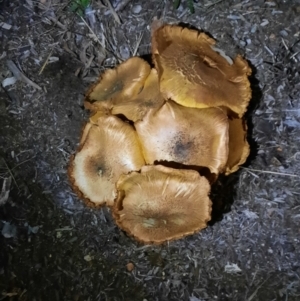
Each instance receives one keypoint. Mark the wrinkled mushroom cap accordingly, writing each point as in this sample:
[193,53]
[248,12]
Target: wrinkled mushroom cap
[123,82]
[110,148]
[193,137]
[239,148]
[149,98]
[193,74]
[160,203]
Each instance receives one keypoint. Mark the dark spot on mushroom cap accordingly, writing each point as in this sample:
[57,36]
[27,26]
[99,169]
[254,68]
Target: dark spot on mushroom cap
[185,135]
[110,148]
[182,149]
[101,170]
[98,166]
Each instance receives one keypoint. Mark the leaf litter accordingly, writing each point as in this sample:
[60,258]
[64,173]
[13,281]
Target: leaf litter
[54,248]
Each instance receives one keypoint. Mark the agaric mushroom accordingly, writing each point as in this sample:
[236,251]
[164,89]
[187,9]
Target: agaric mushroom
[193,137]
[238,146]
[160,203]
[186,114]
[124,82]
[149,98]
[193,74]
[110,148]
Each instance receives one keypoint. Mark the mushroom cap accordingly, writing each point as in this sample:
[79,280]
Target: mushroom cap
[110,148]
[96,115]
[193,74]
[193,137]
[84,134]
[160,203]
[149,98]
[239,148]
[123,82]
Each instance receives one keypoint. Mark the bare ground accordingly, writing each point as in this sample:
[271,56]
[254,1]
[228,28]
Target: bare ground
[52,247]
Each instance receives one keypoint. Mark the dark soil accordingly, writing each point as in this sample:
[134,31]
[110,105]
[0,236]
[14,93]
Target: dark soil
[53,247]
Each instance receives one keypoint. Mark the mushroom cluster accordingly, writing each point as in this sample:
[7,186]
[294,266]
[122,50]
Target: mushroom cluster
[159,137]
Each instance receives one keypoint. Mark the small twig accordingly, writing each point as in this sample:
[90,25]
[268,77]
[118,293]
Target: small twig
[213,3]
[272,172]
[117,18]
[293,56]
[46,62]
[138,44]
[253,174]
[256,290]
[20,76]
[56,22]
[268,49]
[4,192]
[10,172]
[21,163]
[95,38]
[157,24]
[122,5]
[93,33]
[284,44]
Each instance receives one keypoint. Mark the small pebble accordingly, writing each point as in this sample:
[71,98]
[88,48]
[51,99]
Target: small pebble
[284,33]
[125,52]
[129,266]
[9,230]
[264,22]
[88,258]
[137,9]
[254,28]
[233,17]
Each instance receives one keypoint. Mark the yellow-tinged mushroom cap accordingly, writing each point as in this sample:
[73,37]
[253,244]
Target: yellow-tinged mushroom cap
[161,203]
[149,98]
[109,149]
[123,82]
[194,137]
[238,146]
[193,74]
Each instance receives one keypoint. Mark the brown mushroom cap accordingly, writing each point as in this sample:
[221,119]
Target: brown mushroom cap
[84,134]
[239,148]
[110,148]
[149,98]
[194,137]
[194,75]
[123,82]
[161,203]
